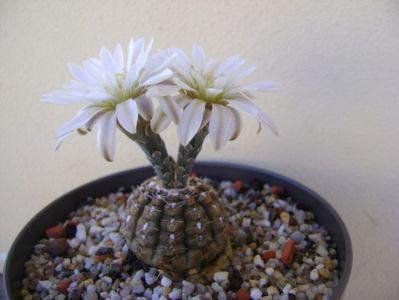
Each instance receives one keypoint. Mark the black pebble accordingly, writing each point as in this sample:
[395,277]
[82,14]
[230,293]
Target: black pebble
[105,251]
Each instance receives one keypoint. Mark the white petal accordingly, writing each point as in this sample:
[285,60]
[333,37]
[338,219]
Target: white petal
[100,96]
[182,100]
[127,114]
[236,122]
[106,135]
[149,46]
[164,75]
[206,118]
[182,84]
[60,140]
[160,121]
[79,120]
[162,90]
[111,82]
[228,63]
[266,120]
[198,78]
[90,124]
[243,74]
[145,107]
[131,77]
[199,57]
[220,82]
[267,85]
[244,105]
[212,92]
[220,129]
[170,107]
[191,121]
[138,48]
[130,50]
[107,61]
[159,62]
[62,97]
[80,74]
[118,57]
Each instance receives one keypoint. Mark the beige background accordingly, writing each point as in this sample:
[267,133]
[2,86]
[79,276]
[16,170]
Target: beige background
[338,111]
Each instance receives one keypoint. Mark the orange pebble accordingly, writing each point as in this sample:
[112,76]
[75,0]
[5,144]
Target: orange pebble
[268,255]
[238,185]
[278,190]
[287,255]
[64,285]
[243,294]
[55,232]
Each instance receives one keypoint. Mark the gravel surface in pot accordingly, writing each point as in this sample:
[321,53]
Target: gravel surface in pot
[278,252]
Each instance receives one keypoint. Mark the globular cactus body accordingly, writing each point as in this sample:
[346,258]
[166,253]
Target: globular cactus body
[176,230]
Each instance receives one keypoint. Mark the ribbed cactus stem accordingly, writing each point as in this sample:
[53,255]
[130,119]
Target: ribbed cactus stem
[154,148]
[187,155]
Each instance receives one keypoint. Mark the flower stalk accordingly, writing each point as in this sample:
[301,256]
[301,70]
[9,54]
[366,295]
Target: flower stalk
[154,148]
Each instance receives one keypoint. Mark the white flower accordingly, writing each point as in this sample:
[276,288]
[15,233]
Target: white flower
[115,89]
[211,93]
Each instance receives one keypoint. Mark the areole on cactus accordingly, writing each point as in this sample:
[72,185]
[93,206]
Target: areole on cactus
[175,221]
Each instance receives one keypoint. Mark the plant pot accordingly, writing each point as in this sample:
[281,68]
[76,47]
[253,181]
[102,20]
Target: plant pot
[58,210]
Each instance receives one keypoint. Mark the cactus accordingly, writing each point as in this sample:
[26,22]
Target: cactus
[176,229]
[175,222]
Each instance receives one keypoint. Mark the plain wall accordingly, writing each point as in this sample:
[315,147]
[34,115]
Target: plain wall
[338,110]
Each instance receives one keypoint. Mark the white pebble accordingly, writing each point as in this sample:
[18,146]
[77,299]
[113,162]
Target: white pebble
[222,296]
[81,232]
[315,237]
[106,221]
[287,288]
[150,278]
[137,287]
[95,229]
[265,223]
[322,251]
[216,287]
[115,296]
[188,287]
[148,293]
[271,290]
[221,276]
[262,282]
[155,297]
[158,290]
[60,297]
[269,271]
[258,261]
[256,293]
[165,281]
[46,284]
[246,222]
[314,275]
[175,294]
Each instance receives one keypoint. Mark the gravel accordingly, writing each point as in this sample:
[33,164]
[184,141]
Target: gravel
[279,252]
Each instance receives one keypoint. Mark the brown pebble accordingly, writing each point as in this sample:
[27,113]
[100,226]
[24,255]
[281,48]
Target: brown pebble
[64,285]
[253,245]
[268,255]
[278,190]
[55,232]
[325,273]
[57,247]
[238,185]
[287,255]
[285,217]
[243,294]
[329,263]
